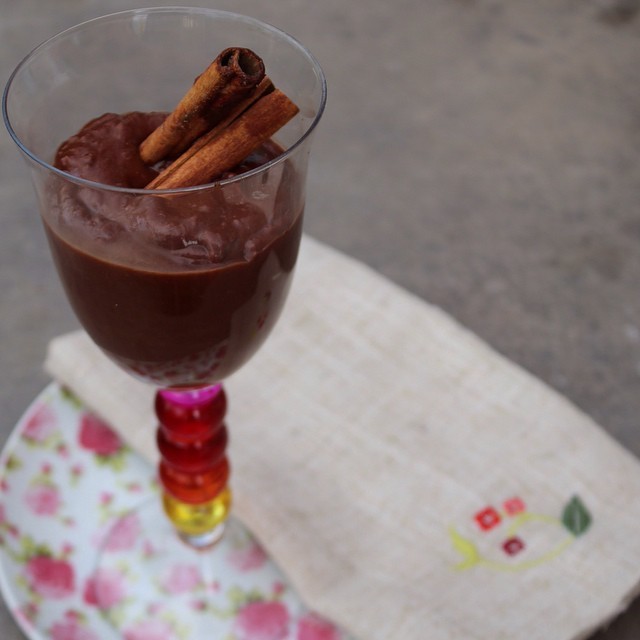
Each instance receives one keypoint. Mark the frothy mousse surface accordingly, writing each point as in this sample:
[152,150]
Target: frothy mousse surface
[180,289]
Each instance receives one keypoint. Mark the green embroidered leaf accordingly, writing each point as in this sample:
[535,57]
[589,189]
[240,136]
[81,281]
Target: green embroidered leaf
[576,517]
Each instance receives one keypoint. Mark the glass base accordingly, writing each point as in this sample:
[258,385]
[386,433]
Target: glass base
[204,541]
[150,583]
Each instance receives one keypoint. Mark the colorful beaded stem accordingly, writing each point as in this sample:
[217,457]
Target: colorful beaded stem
[194,469]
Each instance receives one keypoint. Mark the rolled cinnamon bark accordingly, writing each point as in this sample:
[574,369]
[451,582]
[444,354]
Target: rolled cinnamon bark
[266,86]
[230,144]
[230,79]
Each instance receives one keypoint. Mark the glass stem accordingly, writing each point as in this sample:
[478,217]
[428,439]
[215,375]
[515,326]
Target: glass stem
[194,470]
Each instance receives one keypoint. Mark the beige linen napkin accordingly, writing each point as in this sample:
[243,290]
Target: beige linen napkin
[412,482]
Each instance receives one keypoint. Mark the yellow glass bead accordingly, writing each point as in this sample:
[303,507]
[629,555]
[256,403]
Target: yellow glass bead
[197,519]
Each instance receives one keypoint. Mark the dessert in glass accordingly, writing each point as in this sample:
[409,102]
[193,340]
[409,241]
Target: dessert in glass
[177,271]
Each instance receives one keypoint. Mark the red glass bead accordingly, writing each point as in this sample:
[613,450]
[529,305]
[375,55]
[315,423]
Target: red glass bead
[189,415]
[196,456]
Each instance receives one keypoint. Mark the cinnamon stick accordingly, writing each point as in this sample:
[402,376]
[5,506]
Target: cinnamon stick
[229,145]
[266,86]
[229,80]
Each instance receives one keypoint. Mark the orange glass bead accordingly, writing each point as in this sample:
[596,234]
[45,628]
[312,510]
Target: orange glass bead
[195,487]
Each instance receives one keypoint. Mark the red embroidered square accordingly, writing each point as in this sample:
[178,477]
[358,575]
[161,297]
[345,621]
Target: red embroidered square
[513,506]
[487,518]
[513,546]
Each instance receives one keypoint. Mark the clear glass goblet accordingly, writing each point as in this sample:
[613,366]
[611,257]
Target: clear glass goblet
[179,287]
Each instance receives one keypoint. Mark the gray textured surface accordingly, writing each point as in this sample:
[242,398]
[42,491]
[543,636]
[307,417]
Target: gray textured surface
[484,154]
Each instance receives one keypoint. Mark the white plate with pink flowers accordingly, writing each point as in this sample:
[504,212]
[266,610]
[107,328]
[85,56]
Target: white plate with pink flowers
[65,479]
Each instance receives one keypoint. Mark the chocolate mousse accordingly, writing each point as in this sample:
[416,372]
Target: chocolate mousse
[180,288]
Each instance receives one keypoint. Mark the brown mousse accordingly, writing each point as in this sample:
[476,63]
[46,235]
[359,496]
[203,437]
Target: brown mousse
[180,289]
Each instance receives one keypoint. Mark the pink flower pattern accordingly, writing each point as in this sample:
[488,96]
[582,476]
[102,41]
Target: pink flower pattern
[71,628]
[43,499]
[105,588]
[181,578]
[124,533]
[313,627]
[52,566]
[262,620]
[154,629]
[97,437]
[50,578]
[40,425]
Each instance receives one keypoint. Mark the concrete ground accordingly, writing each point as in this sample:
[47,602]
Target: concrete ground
[484,154]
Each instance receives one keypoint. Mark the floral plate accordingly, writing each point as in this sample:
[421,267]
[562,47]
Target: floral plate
[66,481]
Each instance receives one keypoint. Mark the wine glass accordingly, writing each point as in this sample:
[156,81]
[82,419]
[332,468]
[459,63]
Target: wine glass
[179,287]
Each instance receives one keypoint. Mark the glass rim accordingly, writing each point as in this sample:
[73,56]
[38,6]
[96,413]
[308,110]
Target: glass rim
[179,190]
